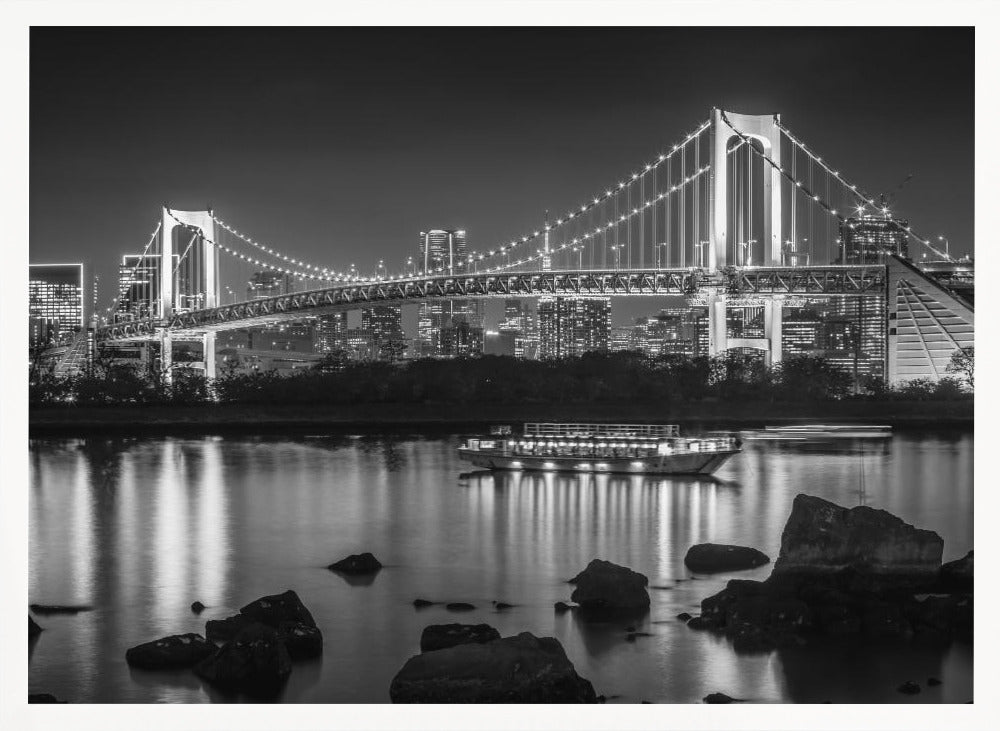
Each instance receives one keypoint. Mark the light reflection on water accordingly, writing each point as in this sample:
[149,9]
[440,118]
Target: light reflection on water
[141,528]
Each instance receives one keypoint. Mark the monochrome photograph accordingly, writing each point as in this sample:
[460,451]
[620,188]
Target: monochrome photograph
[472,364]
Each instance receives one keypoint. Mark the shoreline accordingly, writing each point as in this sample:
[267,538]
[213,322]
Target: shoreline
[249,418]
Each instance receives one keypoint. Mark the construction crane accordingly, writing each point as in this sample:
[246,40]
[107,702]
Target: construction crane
[886,199]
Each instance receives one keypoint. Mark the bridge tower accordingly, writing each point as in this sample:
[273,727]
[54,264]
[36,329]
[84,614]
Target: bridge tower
[201,289]
[762,128]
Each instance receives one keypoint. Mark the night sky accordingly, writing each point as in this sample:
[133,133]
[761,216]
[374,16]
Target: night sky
[340,145]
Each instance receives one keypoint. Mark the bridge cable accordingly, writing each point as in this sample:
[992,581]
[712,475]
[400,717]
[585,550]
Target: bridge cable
[823,204]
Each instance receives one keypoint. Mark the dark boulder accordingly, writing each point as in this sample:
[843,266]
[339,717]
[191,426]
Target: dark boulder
[931,682]
[701,623]
[43,698]
[605,586]
[277,608]
[284,614]
[684,616]
[301,640]
[255,662]
[908,688]
[821,537]
[500,606]
[421,603]
[521,669]
[33,629]
[175,651]
[358,563]
[459,606]
[197,607]
[442,636]
[561,607]
[715,557]
[720,698]
[221,630]
[957,575]
[941,616]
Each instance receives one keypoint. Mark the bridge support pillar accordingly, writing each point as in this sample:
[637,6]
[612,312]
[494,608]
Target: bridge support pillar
[166,356]
[773,311]
[717,336]
[208,354]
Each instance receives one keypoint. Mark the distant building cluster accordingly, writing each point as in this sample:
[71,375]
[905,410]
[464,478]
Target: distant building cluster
[850,332]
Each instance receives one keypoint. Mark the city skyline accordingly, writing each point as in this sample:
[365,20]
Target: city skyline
[495,182]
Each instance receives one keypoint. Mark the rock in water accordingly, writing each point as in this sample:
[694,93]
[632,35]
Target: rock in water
[254,662]
[459,606]
[175,651]
[301,640]
[713,557]
[43,698]
[197,607]
[284,614]
[821,537]
[278,608]
[33,629]
[957,575]
[909,688]
[442,636]
[359,563]
[720,698]
[561,607]
[521,669]
[421,603]
[609,587]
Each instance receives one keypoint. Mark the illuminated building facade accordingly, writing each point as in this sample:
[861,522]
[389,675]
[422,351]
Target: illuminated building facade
[868,239]
[569,326]
[331,332]
[139,286]
[55,303]
[383,324]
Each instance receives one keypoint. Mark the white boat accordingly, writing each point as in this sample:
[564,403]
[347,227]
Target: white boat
[656,449]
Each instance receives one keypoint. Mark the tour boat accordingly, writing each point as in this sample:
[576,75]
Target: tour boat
[656,449]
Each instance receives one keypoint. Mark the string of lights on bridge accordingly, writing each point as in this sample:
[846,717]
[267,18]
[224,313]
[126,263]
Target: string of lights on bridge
[131,277]
[569,243]
[623,186]
[822,203]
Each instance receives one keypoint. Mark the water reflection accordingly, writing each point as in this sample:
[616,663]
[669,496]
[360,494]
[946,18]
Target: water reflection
[141,528]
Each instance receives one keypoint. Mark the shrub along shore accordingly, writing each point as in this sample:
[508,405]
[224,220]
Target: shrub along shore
[473,391]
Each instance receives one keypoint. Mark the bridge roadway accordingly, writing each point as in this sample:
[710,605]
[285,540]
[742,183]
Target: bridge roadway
[734,281]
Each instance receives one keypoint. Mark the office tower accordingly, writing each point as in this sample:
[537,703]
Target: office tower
[55,303]
[679,331]
[569,326]
[383,326]
[854,336]
[868,239]
[442,251]
[620,339]
[138,287]
[331,332]
[801,331]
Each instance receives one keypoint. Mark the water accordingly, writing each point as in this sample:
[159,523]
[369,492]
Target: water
[141,528]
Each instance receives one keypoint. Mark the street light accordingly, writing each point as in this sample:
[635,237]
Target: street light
[579,250]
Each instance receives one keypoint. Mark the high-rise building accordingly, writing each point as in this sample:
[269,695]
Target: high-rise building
[868,239]
[443,250]
[383,325]
[621,338]
[55,303]
[679,331]
[331,332]
[138,287]
[569,326]
[801,331]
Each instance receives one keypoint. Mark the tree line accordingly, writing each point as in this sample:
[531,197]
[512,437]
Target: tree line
[596,376]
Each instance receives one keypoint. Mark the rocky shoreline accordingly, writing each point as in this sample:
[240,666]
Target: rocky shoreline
[840,572]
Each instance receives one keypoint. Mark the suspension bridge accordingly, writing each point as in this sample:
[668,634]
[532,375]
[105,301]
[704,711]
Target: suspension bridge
[738,210]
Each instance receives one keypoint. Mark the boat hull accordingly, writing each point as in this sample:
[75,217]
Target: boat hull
[689,463]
